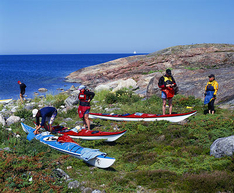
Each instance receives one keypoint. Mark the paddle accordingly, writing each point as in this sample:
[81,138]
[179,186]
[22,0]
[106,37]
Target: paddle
[30,136]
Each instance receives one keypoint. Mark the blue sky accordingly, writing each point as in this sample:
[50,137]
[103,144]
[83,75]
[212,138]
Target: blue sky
[111,26]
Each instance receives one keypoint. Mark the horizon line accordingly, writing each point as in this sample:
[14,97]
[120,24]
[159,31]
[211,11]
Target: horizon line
[77,54]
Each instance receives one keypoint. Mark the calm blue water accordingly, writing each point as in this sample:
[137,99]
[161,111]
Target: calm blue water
[44,71]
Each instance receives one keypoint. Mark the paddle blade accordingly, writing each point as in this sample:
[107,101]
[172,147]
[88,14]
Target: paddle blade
[30,136]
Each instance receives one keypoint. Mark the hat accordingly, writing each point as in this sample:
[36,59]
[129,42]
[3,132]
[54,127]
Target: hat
[212,75]
[18,82]
[168,71]
[81,87]
[34,112]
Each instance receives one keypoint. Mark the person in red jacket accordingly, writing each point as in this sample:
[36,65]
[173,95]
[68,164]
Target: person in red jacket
[167,84]
[85,96]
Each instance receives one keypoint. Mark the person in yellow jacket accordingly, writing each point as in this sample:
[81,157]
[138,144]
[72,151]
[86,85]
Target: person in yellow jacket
[211,90]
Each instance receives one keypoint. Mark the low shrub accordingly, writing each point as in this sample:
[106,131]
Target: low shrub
[154,178]
[218,181]
[110,98]
[23,113]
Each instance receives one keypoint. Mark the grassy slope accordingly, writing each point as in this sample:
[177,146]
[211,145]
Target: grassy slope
[155,156]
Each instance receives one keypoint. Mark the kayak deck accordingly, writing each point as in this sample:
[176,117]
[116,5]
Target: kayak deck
[142,116]
[67,145]
[89,134]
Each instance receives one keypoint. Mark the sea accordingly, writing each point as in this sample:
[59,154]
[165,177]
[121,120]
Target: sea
[44,71]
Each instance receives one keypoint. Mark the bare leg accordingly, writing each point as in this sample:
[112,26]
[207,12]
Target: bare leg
[21,98]
[86,117]
[84,123]
[50,128]
[170,105]
[164,106]
[47,128]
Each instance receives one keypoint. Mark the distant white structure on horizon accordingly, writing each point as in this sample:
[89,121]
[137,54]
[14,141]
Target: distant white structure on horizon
[134,52]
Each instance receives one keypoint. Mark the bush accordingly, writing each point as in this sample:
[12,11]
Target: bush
[23,113]
[218,181]
[110,98]
[122,96]
[184,101]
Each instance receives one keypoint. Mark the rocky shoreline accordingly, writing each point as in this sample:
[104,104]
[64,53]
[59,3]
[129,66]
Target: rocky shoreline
[190,65]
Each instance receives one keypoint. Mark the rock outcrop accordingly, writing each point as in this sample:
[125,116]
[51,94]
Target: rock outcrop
[190,64]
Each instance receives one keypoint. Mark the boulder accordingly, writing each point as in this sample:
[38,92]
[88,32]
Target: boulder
[96,191]
[73,184]
[129,84]
[87,190]
[29,106]
[222,147]
[14,109]
[42,89]
[72,88]
[102,87]
[61,174]
[2,120]
[72,100]
[12,119]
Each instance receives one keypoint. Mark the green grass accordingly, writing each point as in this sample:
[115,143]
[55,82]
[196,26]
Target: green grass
[158,156]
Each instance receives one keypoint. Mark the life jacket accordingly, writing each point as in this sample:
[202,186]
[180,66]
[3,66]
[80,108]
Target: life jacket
[168,91]
[83,97]
[168,80]
[212,86]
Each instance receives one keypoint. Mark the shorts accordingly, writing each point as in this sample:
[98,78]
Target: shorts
[52,118]
[163,95]
[87,111]
[22,92]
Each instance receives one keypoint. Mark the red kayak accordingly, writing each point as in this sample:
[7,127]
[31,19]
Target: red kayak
[89,135]
[142,117]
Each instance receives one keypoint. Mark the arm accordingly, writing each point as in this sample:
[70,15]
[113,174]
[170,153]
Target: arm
[216,87]
[90,94]
[174,82]
[38,126]
[161,83]
[205,89]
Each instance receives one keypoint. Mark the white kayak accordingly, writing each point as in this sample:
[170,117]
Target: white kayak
[142,117]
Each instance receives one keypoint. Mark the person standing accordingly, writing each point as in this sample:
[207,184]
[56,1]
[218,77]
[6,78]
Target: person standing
[48,114]
[85,96]
[211,90]
[22,91]
[167,84]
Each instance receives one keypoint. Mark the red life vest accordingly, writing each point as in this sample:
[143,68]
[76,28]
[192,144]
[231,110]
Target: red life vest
[82,96]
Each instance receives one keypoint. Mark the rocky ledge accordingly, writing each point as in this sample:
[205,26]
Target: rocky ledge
[190,64]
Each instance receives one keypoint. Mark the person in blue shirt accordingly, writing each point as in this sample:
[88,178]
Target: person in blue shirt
[47,114]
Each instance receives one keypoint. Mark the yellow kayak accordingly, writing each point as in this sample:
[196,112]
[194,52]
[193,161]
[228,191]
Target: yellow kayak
[5,100]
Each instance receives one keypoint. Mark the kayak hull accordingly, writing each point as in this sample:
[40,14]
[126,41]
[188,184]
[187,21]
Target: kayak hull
[71,148]
[142,117]
[92,135]
[5,100]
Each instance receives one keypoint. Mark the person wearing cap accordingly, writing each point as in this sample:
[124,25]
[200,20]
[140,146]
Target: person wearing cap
[85,96]
[211,90]
[167,84]
[22,90]
[47,114]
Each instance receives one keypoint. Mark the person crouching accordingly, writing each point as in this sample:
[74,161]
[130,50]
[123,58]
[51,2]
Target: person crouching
[48,114]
